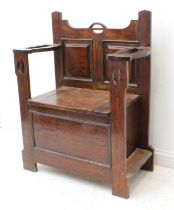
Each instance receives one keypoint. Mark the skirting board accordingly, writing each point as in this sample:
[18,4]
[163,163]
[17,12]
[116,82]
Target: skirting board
[162,157]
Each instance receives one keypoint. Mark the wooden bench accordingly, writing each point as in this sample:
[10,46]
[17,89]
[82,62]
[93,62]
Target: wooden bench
[95,122]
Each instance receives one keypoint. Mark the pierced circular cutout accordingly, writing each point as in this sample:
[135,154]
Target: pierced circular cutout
[97,28]
[20,66]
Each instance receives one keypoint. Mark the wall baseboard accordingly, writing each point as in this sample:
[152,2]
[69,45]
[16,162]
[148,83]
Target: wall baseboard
[162,157]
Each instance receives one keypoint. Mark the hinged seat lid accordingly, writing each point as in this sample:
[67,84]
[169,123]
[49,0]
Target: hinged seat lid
[95,102]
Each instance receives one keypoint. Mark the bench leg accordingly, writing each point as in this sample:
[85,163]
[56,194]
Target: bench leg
[120,186]
[28,163]
[23,77]
[118,84]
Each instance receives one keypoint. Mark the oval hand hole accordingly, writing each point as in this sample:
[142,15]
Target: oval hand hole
[20,66]
[97,28]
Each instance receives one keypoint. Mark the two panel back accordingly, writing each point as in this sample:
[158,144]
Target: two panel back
[84,50]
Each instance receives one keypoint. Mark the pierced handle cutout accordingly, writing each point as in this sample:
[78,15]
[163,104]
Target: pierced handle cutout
[97,28]
[20,66]
[119,77]
[113,76]
[114,79]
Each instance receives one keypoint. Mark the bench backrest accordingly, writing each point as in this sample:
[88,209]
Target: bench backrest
[84,61]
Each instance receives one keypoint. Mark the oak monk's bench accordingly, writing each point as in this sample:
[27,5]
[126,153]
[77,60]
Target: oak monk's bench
[95,122]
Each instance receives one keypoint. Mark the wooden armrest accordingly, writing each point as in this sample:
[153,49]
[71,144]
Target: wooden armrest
[40,48]
[128,54]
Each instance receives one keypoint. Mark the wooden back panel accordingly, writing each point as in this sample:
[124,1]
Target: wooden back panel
[84,61]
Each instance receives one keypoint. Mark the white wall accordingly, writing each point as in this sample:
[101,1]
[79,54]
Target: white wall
[25,23]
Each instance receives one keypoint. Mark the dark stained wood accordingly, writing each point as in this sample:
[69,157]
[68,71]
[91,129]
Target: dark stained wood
[79,99]
[118,129]
[57,26]
[85,141]
[63,31]
[133,73]
[95,122]
[78,63]
[77,59]
[39,48]
[136,160]
[112,46]
[128,33]
[149,165]
[144,28]
[132,120]
[73,164]
[26,116]
[57,31]
[69,115]
[130,54]
[64,109]
[144,36]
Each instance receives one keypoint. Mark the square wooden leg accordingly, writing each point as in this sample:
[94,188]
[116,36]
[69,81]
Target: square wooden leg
[28,163]
[120,186]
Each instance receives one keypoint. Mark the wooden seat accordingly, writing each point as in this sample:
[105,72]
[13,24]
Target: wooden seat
[82,100]
[95,122]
